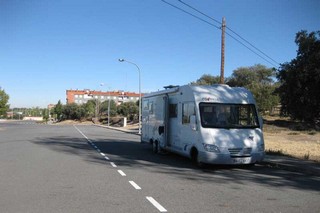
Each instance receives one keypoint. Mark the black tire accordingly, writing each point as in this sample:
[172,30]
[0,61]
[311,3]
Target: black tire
[199,163]
[155,147]
[195,158]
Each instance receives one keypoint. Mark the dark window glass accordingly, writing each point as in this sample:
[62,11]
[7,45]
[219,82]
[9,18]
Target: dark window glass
[228,115]
[173,110]
[188,110]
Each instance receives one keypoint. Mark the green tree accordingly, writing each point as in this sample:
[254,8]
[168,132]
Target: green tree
[90,108]
[248,76]
[104,107]
[128,109]
[207,79]
[300,80]
[4,106]
[45,115]
[259,80]
[58,110]
[73,111]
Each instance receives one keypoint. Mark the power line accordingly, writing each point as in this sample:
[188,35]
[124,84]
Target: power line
[197,17]
[188,5]
[254,47]
[270,61]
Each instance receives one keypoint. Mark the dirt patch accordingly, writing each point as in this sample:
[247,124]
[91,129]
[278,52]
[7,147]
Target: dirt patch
[132,126]
[281,136]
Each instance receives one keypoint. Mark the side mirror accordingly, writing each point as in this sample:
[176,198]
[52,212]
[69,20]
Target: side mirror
[261,122]
[193,122]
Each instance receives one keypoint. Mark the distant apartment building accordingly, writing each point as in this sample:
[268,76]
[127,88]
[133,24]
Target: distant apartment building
[83,96]
[51,106]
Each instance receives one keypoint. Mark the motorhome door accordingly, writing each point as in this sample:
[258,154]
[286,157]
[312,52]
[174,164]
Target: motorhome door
[145,121]
[189,125]
[173,124]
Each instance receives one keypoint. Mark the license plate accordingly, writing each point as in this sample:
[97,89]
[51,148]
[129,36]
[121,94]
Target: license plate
[241,160]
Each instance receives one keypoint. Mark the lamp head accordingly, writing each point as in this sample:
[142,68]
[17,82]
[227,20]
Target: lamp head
[121,60]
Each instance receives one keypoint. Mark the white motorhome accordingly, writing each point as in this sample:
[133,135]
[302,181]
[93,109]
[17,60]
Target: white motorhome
[210,124]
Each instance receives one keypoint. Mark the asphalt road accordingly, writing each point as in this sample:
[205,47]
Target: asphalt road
[51,168]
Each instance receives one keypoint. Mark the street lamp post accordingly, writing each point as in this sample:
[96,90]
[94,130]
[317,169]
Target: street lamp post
[109,109]
[123,60]
[109,98]
[99,101]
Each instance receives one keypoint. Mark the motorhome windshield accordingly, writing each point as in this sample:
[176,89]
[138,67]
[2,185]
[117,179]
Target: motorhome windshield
[217,115]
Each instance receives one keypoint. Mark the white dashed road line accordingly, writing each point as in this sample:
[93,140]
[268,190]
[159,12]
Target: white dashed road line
[81,133]
[134,185]
[122,173]
[156,204]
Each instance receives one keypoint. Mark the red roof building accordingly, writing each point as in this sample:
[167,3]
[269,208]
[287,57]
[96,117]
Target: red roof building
[82,96]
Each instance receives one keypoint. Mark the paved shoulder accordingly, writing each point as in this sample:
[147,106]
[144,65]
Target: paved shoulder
[292,164]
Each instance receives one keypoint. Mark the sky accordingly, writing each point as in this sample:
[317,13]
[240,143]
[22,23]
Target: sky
[48,47]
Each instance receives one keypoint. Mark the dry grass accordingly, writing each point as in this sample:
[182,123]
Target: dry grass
[283,139]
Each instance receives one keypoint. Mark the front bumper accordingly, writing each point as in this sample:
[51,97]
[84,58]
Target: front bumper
[218,158]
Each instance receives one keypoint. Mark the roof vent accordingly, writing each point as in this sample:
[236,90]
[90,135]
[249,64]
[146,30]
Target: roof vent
[171,86]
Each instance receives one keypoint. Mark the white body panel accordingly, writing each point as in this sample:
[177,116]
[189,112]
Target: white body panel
[174,120]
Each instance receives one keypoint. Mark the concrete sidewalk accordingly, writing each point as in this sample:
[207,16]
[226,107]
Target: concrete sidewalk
[281,162]
[122,129]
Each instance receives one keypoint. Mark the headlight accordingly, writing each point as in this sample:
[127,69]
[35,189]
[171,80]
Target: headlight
[211,148]
[261,148]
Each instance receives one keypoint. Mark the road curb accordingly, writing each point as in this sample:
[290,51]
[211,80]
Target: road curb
[290,167]
[134,132]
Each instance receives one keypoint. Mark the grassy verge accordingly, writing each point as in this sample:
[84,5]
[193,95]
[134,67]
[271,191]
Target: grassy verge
[277,152]
[291,139]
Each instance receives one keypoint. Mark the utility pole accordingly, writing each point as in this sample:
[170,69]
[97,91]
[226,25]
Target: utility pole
[223,29]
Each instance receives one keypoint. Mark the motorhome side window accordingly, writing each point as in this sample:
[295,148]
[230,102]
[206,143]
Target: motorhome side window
[188,109]
[217,115]
[173,110]
[150,107]
[145,105]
